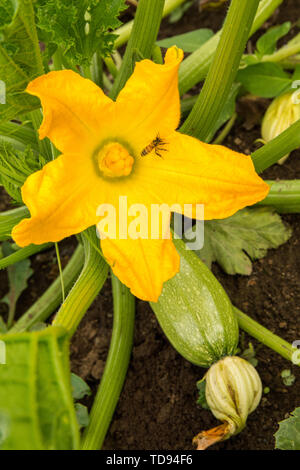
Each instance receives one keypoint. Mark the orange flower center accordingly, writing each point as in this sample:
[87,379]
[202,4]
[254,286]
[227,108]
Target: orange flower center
[114,160]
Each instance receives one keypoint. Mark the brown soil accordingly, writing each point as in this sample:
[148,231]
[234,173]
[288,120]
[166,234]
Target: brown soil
[157,408]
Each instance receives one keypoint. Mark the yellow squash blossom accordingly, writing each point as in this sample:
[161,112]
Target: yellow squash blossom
[103,157]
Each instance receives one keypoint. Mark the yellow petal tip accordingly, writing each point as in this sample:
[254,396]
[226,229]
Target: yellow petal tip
[173,54]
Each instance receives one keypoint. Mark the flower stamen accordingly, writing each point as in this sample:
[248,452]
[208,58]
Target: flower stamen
[114,160]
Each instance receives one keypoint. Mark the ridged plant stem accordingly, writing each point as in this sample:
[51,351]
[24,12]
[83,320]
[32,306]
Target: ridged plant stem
[195,67]
[223,70]
[87,287]
[41,310]
[144,32]
[284,196]
[23,253]
[265,336]
[270,153]
[115,368]
[9,219]
[124,31]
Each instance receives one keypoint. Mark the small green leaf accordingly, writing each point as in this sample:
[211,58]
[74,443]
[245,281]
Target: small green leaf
[287,377]
[80,389]
[264,79]
[18,275]
[288,435]
[82,415]
[36,405]
[188,42]
[267,42]
[245,236]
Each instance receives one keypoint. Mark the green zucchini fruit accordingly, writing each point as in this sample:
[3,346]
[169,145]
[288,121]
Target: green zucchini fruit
[195,312]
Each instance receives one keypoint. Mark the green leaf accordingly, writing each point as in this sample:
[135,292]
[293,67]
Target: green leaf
[82,415]
[178,13]
[79,28]
[20,59]
[188,42]
[80,388]
[287,377]
[16,166]
[267,42]
[265,79]
[288,435]
[18,275]
[36,405]
[7,12]
[245,236]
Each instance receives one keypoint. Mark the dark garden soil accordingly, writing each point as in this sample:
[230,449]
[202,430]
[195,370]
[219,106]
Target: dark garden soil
[157,408]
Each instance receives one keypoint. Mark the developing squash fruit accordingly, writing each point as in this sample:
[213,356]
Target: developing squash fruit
[197,317]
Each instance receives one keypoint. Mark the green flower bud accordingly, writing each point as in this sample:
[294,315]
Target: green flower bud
[233,390]
[280,115]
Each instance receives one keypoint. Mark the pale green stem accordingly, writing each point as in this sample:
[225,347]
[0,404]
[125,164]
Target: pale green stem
[23,253]
[111,66]
[265,336]
[60,271]
[86,289]
[115,369]
[9,219]
[270,153]
[223,70]
[124,31]
[224,133]
[195,67]
[144,33]
[290,49]
[284,196]
[19,135]
[50,300]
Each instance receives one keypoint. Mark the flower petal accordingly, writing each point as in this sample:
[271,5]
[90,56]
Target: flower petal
[62,199]
[149,104]
[74,109]
[192,172]
[142,265]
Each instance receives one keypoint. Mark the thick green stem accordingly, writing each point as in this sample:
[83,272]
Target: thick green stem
[223,70]
[87,287]
[195,68]
[115,368]
[124,31]
[9,219]
[144,32]
[41,310]
[270,153]
[265,336]
[23,253]
[284,196]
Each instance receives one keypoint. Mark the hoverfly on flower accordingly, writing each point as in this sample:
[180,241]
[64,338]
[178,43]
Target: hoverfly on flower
[155,145]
